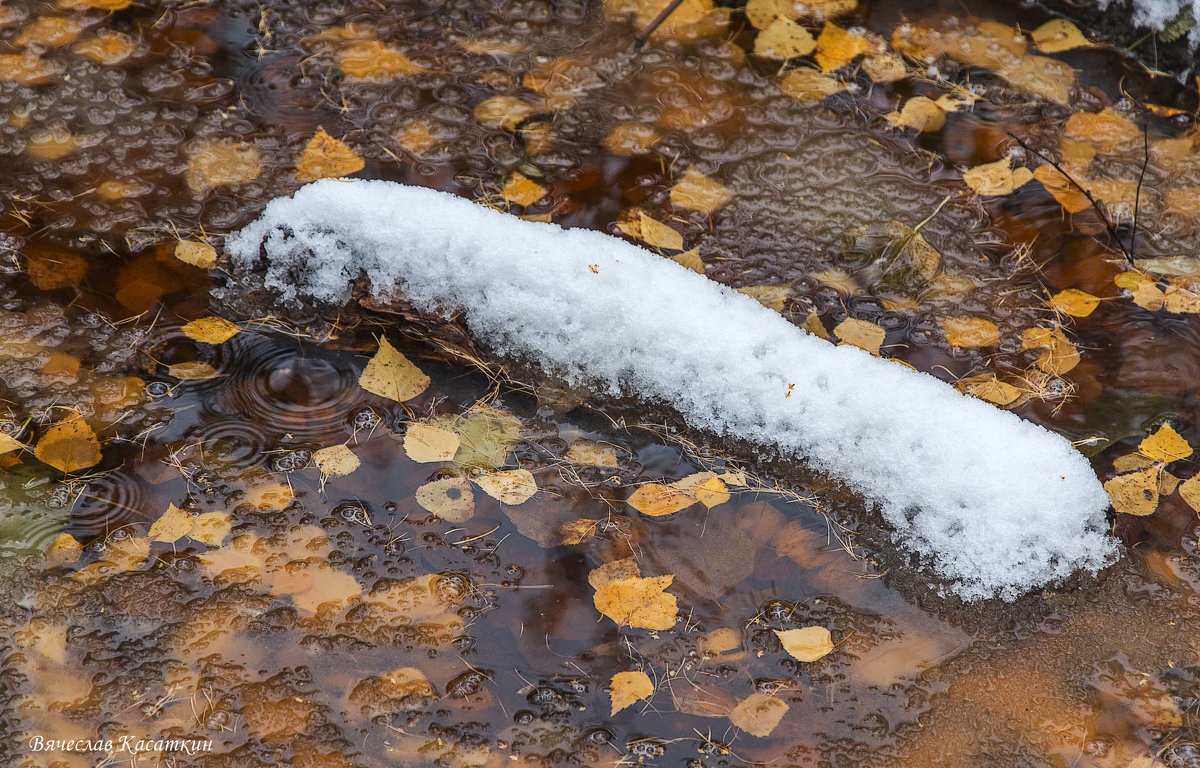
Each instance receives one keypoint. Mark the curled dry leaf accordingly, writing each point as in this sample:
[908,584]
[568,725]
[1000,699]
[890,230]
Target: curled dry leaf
[326,157]
[966,332]
[1134,493]
[759,714]
[69,446]
[806,643]
[638,602]
[197,254]
[172,525]
[1074,302]
[861,333]
[628,688]
[784,39]
[1165,445]
[211,330]
[998,178]
[425,443]
[390,374]
[335,461]
[450,498]
[508,486]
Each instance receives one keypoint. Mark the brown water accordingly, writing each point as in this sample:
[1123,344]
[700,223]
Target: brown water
[282,643]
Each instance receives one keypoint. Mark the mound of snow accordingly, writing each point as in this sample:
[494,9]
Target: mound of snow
[996,504]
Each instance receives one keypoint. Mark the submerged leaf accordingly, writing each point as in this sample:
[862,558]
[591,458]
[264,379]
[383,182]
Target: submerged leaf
[172,525]
[451,499]
[861,333]
[508,486]
[967,332]
[638,602]
[759,714]
[998,178]
[335,461]
[697,192]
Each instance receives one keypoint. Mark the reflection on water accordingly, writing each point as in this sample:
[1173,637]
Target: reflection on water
[333,620]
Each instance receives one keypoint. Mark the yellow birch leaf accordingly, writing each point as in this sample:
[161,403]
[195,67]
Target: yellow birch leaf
[1182,295]
[840,280]
[197,254]
[172,525]
[887,68]
[211,330]
[1074,302]
[770,296]
[1167,483]
[628,688]
[326,157]
[8,443]
[1058,356]
[784,39]
[1189,490]
[690,259]
[1144,289]
[659,235]
[213,164]
[69,446]
[505,112]
[861,333]
[630,139]
[1135,493]
[987,387]
[1132,462]
[919,113]
[836,47]
[696,192]
[521,190]
[64,549]
[1068,195]
[812,324]
[55,270]
[373,62]
[614,570]
[508,486]
[107,47]
[657,500]
[1109,131]
[390,374]
[712,492]
[825,9]
[638,602]
[1165,445]
[1058,35]
[759,714]
[450,499]
[211,528]
[806,643]
[591,454]
[194,370]
[335,461]
[998,178]
[761,13]
[425,444]
[691,19]
[808,85]
[967,332]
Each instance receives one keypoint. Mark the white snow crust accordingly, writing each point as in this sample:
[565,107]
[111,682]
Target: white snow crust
[997,505]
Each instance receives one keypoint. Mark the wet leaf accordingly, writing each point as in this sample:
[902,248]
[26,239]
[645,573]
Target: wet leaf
[696,192]
[425,444]
[813,325]
[197,254]
[1184,264]
[69,446]
[1058,356]
[211,330]
[107,47]
[505,112]
[861,333]
[809,85]
[1189,490]
[631,139]
[194,370]
[1165,445]
[967,332]
[987,387]
[762,13]
[806,643]
[887,68]
[592,454]
[638,602]
[326,157]
[213,164]
[628,688]
[1074,302]
[451,499]
[998,178]
[840,280]
[1144,289]
[211,528]
[172,525]
[1131,462]
[837,48]
[1058,35]
[1068,195]
[508,486]
[521,190]
[759,714]
[1182,295]
[919,113]
[657,499]
[371,61]
[335,461]
[390,374]
[770,296]
[1108,131]
[614,570]
[1134,493]
[784,39]
[650,231]
[704,487]
[691,19]
[64,549]
[50,271]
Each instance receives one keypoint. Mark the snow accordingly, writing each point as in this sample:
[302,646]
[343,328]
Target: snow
[1157,14]
[995,504]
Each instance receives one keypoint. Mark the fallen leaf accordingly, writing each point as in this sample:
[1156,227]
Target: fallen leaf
[839,280]
[630,139]
[505,112]
[1058,35]
[998,178]
[52,270]
[1108,131]
[659,235]
[211,528]
[696,192]
[759,714]
[508,486]
[691,19]
[194,370]
[213,164]
[69,446]
[1165,445]
[836,47]
[197,254]
[1134,493]
[373,62]
[628,688]
[172,525]
[390,374]
[587,453]
[1144,290]
[638,602]
[1074,302]
[335,461]
[987,387]
[806,643]
[1182,295]
[1189,490]
[919,113]
[107,47]
[485,434]
[613,570]
[1058,356]
[8,443]
[450,499]
[861,333]
[425,444]
[762,13]
[211,330]
[64,549]
[813,325]
[521,190]
[967,332]
[657,499]
[1131,462]
[326,157]
[1060,186]
[770,296]
[808,85]
[784,39]
[887,68]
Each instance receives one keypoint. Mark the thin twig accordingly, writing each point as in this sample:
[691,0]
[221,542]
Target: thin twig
[1137,196]
[644,36]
